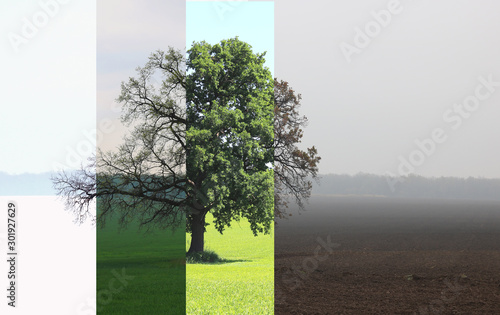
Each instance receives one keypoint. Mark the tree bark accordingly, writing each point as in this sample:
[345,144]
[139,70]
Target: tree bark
[197,233]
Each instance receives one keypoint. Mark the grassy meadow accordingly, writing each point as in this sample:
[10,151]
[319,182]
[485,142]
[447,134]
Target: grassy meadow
[243,284]
[155,261]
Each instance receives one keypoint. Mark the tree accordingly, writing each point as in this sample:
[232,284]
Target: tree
[201,141]
[293,168]
[79,190]
[229,97]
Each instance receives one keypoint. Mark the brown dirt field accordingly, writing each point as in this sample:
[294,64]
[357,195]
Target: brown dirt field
[389,257]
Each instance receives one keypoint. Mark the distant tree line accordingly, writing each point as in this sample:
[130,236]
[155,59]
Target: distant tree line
[409,186]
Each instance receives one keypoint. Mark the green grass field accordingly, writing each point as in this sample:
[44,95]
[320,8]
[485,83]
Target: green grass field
[244,284]
[156,263]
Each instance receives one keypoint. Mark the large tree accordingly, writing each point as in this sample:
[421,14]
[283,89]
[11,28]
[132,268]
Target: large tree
[201,141]
[229,98]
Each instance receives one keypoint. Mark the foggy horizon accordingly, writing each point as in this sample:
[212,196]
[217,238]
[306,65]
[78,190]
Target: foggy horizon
[395,87]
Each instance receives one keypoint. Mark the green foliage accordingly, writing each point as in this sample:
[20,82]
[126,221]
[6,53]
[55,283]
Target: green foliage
[229,133]
[212,153]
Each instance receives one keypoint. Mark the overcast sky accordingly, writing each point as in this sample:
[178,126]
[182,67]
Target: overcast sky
[127,33]
[376,78]
[365,115]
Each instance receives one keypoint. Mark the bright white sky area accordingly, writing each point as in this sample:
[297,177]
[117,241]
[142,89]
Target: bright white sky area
[48,84]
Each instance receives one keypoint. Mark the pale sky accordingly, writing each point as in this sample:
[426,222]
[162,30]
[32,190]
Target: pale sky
[48,84]
[252,22]
[364,114]
[127,33]
[407,71]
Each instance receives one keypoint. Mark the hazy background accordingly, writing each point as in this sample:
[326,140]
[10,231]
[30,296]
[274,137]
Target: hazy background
[364,114]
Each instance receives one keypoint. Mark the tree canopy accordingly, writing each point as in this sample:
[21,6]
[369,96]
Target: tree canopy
[202,140]
[229,98]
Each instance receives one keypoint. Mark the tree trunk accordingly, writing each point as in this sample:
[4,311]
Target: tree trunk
[197,233]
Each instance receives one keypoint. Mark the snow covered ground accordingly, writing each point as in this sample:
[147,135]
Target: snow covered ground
[56,260]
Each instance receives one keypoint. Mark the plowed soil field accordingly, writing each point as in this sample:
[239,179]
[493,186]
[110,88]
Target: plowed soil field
[375,255]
